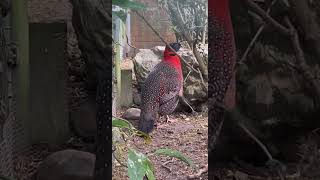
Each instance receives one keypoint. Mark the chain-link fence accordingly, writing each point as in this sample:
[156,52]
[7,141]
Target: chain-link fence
[11,131]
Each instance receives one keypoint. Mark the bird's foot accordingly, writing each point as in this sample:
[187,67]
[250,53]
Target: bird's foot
[168,119]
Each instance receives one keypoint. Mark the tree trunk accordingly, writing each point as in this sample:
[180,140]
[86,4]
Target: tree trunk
[92,21]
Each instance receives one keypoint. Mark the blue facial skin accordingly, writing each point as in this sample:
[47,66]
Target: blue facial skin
[175,46]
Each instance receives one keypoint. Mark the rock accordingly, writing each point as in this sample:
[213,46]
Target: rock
[158,50]
[84,119]
[66,165]
[132,114]
[144,62]
[136,97]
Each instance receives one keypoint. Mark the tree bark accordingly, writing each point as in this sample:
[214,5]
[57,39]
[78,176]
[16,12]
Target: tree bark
[92,21]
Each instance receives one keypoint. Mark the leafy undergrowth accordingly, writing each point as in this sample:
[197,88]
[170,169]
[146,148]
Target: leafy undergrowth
[185,136]
[307,168]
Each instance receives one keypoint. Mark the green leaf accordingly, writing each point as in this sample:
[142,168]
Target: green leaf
[175,154]
[121,14]
[127,4]
[139,165]
[121,123]
[145,136]
[150,170]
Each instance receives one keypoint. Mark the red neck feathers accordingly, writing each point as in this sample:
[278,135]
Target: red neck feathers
[172,58]
[220,10]
[223,41]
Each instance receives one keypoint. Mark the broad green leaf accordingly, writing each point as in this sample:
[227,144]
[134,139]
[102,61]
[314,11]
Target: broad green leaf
[128,4]
[139,165]
[150,170]
[121,123]
[175,154]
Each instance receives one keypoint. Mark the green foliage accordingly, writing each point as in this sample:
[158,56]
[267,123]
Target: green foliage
[139,165]
[124,124]
[121,14]
[121,123]
[175,154]
[125,4]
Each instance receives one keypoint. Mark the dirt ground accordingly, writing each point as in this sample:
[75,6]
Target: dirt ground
[187,134]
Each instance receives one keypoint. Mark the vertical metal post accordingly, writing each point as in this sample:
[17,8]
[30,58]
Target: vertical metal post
[20,36]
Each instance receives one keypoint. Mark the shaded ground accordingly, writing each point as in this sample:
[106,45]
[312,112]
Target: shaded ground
[187,134]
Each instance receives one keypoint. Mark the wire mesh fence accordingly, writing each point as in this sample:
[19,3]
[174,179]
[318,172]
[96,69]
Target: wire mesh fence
[11,131]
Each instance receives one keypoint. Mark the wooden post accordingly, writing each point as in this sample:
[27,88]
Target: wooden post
[20,36]
[118,58]
[126,99]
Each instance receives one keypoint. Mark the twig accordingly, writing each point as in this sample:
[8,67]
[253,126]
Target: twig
[187,103]
[263,147]
[202,80]
[185,79]
[199,173]
[183,21]
[300,59]
[255,36]
[245,129]
[164,40]
[122,164]
[129,43]
[165,163]
[267,18]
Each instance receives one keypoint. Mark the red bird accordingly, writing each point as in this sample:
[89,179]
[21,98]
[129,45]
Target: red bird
[222,58]
[161,89]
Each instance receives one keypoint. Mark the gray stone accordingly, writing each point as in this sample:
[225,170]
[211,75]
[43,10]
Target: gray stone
[132,114]
[136,97]
[67,165]
[144,62]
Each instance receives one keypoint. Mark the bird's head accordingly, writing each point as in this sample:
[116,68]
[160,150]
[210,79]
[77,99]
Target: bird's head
[171,57]
[175,46]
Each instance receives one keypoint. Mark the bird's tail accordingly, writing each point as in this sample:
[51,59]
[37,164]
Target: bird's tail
[147,120]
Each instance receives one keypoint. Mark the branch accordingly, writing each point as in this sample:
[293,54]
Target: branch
[307,21]
[236,115]
[267,18]
[121,163]
[300,58]
[163,40]
[199,173]
[168,44]
[244,56]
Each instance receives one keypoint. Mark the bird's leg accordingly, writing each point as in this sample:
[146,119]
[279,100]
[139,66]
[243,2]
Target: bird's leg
[168,119]
[161,124]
